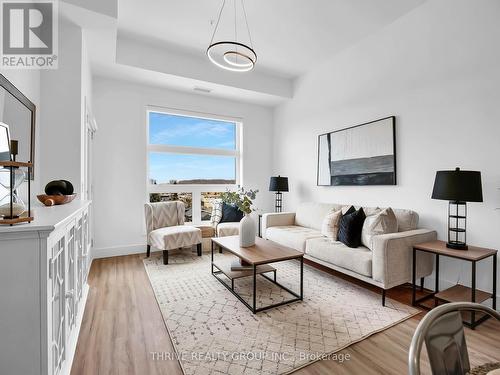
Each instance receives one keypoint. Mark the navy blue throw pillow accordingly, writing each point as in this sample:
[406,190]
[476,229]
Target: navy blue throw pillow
[350,226]
[230,214]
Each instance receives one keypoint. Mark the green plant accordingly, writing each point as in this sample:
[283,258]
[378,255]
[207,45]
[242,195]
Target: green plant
[243,199]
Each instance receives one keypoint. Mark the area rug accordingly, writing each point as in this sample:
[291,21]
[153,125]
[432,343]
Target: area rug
[214,333]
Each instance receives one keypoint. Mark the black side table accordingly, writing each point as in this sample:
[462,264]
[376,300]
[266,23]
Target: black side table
[457,293]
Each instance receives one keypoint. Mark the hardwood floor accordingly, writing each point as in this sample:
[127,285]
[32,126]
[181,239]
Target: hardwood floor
[122,326]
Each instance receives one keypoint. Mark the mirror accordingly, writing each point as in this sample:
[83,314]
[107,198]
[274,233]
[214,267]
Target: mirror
[17,111]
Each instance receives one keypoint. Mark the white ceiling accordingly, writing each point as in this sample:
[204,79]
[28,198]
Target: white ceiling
[289,36]
[163,42]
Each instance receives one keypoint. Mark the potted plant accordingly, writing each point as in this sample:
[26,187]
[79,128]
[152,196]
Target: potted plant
[243,200]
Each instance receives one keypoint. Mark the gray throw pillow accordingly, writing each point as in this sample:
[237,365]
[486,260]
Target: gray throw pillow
[382,223]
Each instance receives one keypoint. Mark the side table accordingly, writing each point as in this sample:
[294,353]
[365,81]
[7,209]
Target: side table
[457,293]
[207,232]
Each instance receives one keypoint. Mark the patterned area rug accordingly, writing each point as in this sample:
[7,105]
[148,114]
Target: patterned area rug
[214,333]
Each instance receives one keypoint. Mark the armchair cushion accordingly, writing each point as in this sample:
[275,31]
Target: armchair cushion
[163,214]
[228,229]
[174,237]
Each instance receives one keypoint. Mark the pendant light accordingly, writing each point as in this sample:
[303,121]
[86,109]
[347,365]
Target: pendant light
[233,55]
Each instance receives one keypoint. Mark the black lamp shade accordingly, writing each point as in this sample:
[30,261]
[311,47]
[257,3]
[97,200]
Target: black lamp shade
[278,184]
[458,185]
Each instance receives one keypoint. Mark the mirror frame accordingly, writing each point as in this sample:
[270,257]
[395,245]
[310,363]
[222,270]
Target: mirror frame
[7,85]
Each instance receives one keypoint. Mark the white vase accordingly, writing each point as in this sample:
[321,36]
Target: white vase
[247,231]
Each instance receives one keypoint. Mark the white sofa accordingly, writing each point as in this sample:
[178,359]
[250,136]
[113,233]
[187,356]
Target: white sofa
[387,264]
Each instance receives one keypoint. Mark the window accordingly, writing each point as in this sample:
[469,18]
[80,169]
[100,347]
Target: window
[187,198]
[207,200]
[190,155]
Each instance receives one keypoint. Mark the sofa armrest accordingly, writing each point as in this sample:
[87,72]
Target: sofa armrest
[276,219]
[392,256]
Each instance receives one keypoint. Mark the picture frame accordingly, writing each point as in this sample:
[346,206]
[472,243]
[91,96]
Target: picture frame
[23,131]
[363,154]
[5,154]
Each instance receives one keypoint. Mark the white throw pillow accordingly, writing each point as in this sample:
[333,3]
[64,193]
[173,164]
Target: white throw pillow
[216,215]
[330,225]
[382,223]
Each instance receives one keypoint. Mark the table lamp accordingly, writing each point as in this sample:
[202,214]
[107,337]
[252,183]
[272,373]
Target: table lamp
[457,187]
[279,185]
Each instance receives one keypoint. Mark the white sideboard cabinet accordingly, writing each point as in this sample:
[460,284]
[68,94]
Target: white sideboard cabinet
[43,289]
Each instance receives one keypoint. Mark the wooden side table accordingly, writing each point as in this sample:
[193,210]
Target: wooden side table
[207,232]
[457,293]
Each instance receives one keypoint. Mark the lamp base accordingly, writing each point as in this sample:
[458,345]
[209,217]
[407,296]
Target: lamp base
[457,245]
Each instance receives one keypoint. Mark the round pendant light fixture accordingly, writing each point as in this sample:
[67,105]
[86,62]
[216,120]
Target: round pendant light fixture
[232,55]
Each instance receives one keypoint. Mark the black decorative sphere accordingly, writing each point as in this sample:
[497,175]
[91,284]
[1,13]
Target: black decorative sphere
[59,187]
[69,187]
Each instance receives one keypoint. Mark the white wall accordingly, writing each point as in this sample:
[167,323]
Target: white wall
[120,156]
[61,114]
[28,82]
[437,69]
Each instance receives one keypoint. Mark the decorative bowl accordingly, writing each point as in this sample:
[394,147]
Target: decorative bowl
[51,200]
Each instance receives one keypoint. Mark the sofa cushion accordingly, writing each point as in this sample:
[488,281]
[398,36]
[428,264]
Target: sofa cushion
[330,226]
[358,260]
[311,215]
[228,229]
[382,223]
[350,227]
[407,219]
[292,236]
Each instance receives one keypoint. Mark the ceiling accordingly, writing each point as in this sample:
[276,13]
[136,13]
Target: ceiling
[289,36]
[163,42]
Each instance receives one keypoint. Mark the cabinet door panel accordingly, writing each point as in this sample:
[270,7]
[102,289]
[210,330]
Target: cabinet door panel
[57,305]
[71,256]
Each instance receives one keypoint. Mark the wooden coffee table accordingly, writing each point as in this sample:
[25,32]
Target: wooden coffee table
[259,257]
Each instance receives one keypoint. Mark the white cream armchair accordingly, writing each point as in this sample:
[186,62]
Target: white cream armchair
[166,230]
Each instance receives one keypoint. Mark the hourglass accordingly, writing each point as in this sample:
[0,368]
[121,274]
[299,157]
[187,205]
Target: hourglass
[11,205]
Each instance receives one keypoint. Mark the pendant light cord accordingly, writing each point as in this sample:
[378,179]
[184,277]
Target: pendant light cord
[246,22]
[218,20]
[235,28]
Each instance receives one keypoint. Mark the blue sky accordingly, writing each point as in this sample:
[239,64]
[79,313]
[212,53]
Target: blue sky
[193,132]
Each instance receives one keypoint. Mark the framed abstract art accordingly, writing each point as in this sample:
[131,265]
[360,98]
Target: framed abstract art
[364,154]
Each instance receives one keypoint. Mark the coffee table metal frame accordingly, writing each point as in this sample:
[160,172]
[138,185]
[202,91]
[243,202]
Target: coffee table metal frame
[253,308]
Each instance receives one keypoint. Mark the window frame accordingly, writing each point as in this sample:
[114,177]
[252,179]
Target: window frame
[195,189]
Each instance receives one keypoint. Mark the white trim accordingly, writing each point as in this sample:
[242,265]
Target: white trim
[190,113]
[237,154]
[114,251]
[192,150]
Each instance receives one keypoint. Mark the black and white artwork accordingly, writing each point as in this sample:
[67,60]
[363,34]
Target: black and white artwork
[360,155]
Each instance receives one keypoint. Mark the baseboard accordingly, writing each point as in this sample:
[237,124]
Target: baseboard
[114,251]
